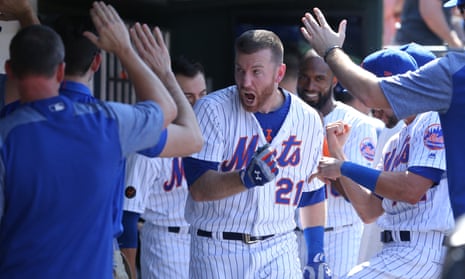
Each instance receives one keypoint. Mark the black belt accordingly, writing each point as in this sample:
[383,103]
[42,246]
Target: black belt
[330,229]
[174,229]
[386,236]
[246,238]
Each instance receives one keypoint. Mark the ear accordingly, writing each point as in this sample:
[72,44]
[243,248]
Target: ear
[95,65]
[60,73]
[334,80]
[281,72]
[8,70]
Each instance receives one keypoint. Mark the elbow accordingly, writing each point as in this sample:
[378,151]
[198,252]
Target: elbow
[197,143]
[170,115]
[367,219]
[197,195]
[414,197]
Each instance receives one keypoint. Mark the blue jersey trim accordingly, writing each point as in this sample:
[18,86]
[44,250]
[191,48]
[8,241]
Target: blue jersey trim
[129,237]
[433,174]
[194,168]
[313,197]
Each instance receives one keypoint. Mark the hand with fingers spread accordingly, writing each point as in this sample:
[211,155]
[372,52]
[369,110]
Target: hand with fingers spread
[20,10]
[319,34]
[113,35]
[151,48]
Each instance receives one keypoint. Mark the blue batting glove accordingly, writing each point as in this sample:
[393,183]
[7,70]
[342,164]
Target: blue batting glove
[317,268]
[261,168]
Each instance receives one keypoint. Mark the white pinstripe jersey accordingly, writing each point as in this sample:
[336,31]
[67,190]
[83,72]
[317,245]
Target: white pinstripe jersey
[160,189]
[231,135]
[419,144]
[359,148]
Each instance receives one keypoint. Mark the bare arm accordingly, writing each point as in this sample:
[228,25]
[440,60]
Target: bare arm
[367,205]
[184,135]
[130,255]
[20,10]
[363,84]
[399,186]
[431,12]
[313,215]
[213,185]
[113,37]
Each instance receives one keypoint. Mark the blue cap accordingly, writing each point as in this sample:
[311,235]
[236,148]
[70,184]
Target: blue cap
[388,62]
[421,54]
[453,3]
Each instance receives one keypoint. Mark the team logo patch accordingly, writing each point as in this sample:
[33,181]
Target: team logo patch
[367,148]
[433,137]
[130,192]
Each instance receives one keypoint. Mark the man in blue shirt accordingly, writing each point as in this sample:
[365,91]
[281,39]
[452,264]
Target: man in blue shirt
[56,185]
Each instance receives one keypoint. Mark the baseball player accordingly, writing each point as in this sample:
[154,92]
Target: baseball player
[437,86]
[343,229]
[370,243]
[261,146]
[156,189]
[407,196]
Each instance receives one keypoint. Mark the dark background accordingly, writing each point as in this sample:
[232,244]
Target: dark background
[204,30]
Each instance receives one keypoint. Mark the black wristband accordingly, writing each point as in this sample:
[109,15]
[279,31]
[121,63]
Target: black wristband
[329,50]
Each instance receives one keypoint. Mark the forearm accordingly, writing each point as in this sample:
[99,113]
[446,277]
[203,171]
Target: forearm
[402,186]
[361,83]
[431,12]
[130,254]
[146,84]
[27,18]
[214,185]
[184,128]
[365,203]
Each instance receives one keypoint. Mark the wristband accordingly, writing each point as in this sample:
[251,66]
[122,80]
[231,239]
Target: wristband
[329,50]
[314,239]
[245,179]
[365,176]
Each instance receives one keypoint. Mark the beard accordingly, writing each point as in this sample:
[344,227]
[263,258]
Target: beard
[261,98]
[318,104]
[391,121]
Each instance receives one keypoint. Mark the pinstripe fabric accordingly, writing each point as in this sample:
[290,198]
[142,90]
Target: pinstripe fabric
[429,220]
[342,243]
[230,135]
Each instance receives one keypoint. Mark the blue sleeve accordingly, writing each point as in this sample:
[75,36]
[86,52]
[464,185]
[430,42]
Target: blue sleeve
[433,174]
[194,168]
[313,197]
[129,237]
[140,125]
[158,148]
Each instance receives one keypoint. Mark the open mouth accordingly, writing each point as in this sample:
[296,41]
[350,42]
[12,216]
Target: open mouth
[249,98]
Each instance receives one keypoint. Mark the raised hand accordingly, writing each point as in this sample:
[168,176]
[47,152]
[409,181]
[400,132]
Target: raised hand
[113,35]
[151,48]
[319,34]
[18,10]
[261,168]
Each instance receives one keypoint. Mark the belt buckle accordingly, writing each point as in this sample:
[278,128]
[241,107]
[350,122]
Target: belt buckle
[246,238]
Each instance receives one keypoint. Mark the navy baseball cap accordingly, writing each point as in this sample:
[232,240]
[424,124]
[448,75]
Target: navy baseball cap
[453,3]
[421,54]
[388,62]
